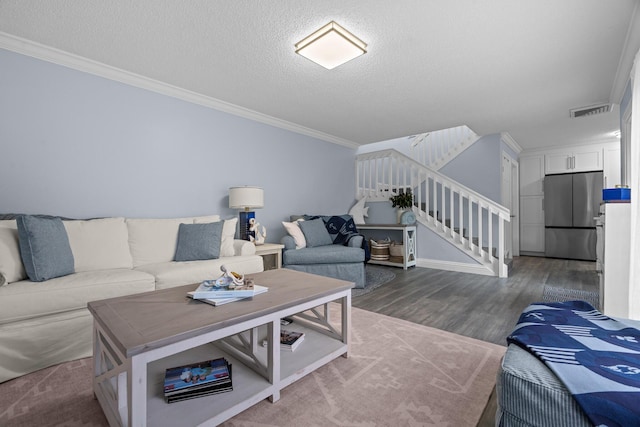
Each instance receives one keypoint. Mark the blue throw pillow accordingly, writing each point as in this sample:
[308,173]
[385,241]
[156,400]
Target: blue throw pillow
[199,241]
[44,247]
[315,233]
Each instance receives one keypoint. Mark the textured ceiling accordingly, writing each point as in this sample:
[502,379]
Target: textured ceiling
[495,65]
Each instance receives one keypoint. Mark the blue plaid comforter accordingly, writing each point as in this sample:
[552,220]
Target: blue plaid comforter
[596,357]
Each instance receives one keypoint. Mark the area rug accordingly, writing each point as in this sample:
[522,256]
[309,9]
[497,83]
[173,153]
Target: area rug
[397,374]
[375,277]
[555,294]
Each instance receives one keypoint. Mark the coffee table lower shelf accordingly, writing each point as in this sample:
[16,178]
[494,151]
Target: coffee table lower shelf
[249,387]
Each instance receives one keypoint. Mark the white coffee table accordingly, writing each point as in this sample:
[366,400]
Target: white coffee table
[137,337]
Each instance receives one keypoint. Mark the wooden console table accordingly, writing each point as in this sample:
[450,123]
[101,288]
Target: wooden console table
[408,240]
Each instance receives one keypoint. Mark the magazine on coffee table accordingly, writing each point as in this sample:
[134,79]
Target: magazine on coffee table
[196,376]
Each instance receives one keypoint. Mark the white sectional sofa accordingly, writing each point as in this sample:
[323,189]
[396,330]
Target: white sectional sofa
[46,323]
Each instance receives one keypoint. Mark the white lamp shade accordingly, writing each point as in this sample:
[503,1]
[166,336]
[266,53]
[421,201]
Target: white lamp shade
[246,197]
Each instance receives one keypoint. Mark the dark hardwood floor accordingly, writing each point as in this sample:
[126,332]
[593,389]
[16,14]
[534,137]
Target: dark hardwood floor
[481,307]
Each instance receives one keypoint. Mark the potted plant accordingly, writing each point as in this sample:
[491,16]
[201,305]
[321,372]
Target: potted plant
[402,201]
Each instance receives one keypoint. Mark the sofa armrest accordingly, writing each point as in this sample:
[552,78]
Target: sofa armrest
[355,242]
[288,242]
[243,247]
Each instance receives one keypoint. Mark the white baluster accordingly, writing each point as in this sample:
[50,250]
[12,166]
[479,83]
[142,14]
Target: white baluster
[490,233]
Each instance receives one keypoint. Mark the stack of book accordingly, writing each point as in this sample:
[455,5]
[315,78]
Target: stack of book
[197,379]
[218,295]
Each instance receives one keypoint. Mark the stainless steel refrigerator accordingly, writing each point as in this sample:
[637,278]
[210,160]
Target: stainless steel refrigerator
[571,201]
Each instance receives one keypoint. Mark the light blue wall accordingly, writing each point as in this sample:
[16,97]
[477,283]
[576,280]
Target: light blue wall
[478,167]
[78,145]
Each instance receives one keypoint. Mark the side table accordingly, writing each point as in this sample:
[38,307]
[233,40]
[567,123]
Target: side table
[270,250]
[408,240]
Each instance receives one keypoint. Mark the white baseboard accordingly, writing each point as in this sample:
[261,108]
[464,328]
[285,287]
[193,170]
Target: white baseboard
[459,267]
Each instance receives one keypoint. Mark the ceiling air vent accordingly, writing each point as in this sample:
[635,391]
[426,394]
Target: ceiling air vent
[592,110]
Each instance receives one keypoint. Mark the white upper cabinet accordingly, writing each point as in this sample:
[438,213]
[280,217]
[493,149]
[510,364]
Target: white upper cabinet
[577,159]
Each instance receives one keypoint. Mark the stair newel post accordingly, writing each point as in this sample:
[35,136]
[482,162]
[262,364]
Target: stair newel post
[501,247]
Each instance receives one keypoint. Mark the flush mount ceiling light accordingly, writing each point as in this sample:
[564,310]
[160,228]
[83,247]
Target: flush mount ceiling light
[331,46]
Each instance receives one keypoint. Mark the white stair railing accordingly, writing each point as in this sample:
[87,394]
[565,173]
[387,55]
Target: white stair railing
[472,222]
[436,149]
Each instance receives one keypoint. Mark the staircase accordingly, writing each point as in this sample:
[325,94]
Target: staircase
[466,219]
[436,149]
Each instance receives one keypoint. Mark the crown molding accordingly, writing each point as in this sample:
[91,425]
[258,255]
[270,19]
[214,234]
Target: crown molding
[512,143]
[626,63]
[79,63]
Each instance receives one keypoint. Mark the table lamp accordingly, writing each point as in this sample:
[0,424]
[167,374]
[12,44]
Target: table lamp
[246,198]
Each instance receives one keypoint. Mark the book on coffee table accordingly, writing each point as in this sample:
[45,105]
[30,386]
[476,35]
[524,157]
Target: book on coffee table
[217,300]
[289,340]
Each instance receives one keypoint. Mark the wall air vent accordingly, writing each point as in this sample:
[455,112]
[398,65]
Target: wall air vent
[591,110]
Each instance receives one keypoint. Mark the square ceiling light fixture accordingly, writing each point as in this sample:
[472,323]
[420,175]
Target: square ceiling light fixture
[331,46]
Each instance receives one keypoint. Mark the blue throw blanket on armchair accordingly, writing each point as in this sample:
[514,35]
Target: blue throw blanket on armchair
[342,228]
[596,357]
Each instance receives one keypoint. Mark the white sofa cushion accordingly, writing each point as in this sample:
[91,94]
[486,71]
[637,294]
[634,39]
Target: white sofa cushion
[172,274]
[27,300]
[228,233]
[11,267]
[154,240]
[99,244]
[206,219]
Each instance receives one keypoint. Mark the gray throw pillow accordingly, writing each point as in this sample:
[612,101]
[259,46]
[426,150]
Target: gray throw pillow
[44,247]
[315,233]
[199,241]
